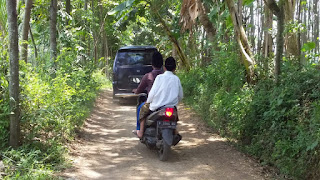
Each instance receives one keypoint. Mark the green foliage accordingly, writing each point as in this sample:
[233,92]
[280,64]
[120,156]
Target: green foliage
[4,112]
[3,17]
[52,109]
[55,107]
[288,122]
[308,46]
[248,2]
[279,124]
[122,7]
[34,161]
[211,84]
[56,97]
[4,95]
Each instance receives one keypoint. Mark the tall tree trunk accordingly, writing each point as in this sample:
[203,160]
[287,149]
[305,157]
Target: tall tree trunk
[94,34]
[308,22]
[106,54]
[242,41]
[305,33]
[278,10]
[68,10]
[316,25]
[33,42]
[291,39]
[103,45]
[68,6]
[174,51]
[14,73]
[299,16]
[202,53]
[267,36]
[205,21]
[240,7]
[53,31]
[260,30]
[252,34]
[102,31]
[87,50]
[268,41]
[25,30]
[280,42]
[182,56]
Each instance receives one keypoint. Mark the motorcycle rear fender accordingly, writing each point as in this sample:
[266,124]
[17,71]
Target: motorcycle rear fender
[160,114]
[167,135]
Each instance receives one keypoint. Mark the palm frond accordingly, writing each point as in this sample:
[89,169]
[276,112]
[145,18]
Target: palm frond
[188,14]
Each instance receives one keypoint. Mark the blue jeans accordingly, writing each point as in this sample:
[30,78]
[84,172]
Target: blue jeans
[138,113]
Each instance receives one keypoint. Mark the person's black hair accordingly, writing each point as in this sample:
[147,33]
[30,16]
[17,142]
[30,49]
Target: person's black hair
[157,60]
[170,64]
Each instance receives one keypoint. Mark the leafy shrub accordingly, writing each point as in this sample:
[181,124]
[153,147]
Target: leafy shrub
[287,122]
[34,161]
[4,95]
[279,124]
[4,112]
[53,107]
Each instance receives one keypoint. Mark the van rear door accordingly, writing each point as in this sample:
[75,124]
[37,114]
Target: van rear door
[130,66]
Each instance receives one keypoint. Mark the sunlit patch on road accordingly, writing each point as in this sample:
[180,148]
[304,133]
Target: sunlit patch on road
[92,174]
[107,149]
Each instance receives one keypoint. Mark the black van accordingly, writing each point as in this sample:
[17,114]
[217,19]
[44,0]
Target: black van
[130,64]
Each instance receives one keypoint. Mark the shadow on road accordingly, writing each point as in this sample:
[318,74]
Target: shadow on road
[108,150]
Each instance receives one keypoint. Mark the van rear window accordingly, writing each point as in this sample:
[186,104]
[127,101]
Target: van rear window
[134,57]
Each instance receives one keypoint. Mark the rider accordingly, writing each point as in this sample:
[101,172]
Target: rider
[148,79]
[166,91]
[147,82]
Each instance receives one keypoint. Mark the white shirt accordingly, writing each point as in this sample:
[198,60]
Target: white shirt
[166,91]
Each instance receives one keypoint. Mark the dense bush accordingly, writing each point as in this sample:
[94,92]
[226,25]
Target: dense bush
[53,107]
[278,123]
[4,95]
[34,161]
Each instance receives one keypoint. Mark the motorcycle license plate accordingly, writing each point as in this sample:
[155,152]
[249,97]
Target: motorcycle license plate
[167,124]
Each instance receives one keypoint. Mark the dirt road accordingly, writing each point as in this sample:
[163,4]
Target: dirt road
[106,149]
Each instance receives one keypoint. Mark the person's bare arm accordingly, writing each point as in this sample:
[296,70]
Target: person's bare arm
[142,86]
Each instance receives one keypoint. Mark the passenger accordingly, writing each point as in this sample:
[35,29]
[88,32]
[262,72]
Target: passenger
[147,82]
[148,79]
[166,91]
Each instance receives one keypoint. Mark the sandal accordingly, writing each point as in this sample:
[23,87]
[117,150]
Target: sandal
[134,132]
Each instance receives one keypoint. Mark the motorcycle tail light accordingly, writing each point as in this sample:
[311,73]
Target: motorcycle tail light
[169,112]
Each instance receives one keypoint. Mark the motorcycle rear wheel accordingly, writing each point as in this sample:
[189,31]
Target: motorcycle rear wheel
[164,151]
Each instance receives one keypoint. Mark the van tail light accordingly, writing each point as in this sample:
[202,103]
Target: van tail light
[169,112]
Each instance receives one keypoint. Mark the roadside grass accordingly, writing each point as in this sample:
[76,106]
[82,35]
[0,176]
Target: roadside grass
[53,109]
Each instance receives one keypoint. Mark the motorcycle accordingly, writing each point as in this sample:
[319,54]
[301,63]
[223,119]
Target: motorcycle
[159,131]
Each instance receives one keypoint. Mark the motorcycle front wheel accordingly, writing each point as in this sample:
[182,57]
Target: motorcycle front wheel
[164,151]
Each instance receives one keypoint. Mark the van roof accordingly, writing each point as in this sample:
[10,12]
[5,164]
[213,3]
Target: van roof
[137,47]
